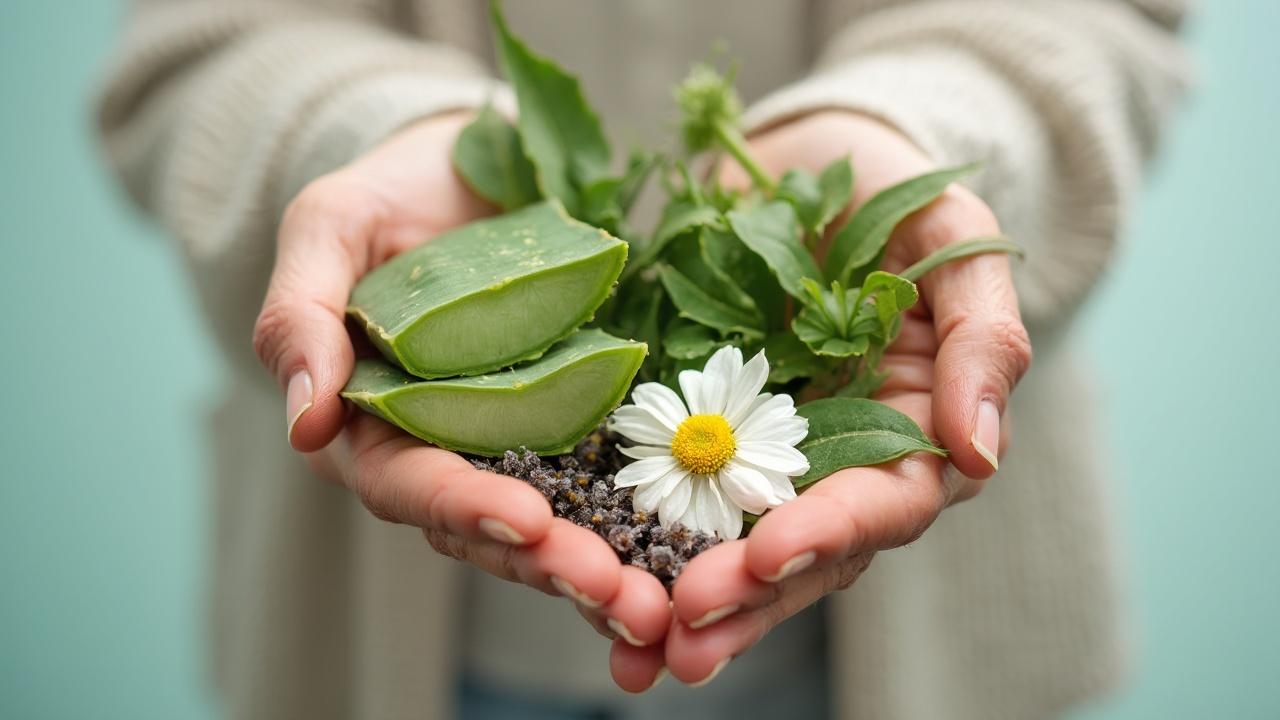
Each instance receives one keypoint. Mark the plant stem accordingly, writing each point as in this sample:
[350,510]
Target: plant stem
[731,138]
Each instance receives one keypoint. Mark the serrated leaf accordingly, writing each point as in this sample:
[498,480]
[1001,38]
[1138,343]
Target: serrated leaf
[561,133]
[859,244]
[688,341]
[855,432]
[491,161]
[696,305]
[817,200]
[772,232]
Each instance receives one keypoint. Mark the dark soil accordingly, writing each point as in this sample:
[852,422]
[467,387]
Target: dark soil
[580,489]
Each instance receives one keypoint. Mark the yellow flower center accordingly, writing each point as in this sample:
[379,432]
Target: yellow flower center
[703,443]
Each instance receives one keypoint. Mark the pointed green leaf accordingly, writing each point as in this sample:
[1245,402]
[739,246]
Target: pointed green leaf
[547,405]
[488,294]
[772,232]
[561,133]
[687,341]
[817,200]
[892,296]
[861,241]
[696,305]
[490,159]
[960,250]
[853,432]
[678,218]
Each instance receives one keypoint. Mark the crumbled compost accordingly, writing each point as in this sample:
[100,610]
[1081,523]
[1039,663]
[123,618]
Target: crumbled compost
[580,489]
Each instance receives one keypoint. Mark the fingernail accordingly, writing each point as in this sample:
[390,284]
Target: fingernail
[617,626]
[714,672]
[564,587]
[662,675]
[793,566]
[715,616]
[986,434]
[298,398]
[500,531]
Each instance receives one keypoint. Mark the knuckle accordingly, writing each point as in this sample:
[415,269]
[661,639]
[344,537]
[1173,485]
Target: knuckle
[270,332]
[1013,345]
[443,543]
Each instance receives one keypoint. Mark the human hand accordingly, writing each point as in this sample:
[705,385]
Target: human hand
[961,351]
[337,229]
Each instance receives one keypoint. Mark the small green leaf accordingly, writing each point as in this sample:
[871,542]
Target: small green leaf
[640,166]
[696,305]
[861,241]
[853,432]
[677,218]
[491,161]
[688,254]
[561,133]
[727,256]
[818,200]
[687,341]
[772,232]
[892,295]
[957,251]
[789,358]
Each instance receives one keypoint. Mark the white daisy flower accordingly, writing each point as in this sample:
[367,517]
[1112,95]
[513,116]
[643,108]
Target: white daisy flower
[729,450]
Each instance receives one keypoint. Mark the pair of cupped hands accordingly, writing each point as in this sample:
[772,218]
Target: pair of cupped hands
[960,354]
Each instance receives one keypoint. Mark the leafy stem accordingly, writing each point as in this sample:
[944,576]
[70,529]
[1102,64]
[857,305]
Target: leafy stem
[736,145]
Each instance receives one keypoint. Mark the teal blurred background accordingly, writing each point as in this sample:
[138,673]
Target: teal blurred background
[102,503]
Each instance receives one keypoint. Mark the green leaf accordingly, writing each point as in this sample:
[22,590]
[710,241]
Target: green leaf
[772,232]
[728,257]
[600,204]
[861,241]
[696,305]
[687,341]
[957,251]
[491,161]
[853,432]
[547,405]
[561,133]
[789,358]
[688,254]
[892,295]
[640,166]
[677,218]
[817,200]
[488,294]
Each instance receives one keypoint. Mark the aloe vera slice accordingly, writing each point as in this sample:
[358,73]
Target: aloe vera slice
[547,405]
[488,294]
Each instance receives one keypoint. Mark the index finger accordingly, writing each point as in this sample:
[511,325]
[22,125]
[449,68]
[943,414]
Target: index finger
[403,480]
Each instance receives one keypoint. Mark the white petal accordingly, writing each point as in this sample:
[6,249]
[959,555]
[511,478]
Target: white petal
[644,471]
[676,501]
[648,497]
[640,452]
[789,430]
[775,456]
[691,388]
[775,409]
[718,378]
[747,487]
[662,402]
[639,425]
[729,522]
[745,388]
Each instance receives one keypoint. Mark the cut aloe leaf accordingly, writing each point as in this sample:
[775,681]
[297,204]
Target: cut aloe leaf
[489,294]
[547,405]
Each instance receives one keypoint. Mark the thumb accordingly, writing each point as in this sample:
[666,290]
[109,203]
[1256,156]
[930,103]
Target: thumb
[300,335]
[983,348]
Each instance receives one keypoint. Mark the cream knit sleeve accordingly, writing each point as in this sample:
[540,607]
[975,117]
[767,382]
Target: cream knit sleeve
[217,112]
[1061,100]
